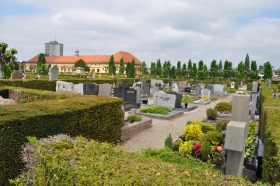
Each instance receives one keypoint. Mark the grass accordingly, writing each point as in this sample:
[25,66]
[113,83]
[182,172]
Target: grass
[156,110]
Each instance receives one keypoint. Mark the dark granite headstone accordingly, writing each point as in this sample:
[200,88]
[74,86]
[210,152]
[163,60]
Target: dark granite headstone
[147,88]
[178,102]
[90,89]
[118,92]
[211,88]
[143,83]
[130,95]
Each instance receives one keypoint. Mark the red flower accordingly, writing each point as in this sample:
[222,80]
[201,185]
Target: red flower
[197,148]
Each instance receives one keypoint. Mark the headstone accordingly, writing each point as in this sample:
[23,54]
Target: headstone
[211,88]
[205,93]
[147,89]
[143,81]
[16,74]
[105,89]
[182,85]
[254,100]
[64,86]
[156,81]
[53,72]
[155,89]
[133,112]
[240,108]
[175,87]
[232,84]
[100,75]
[138,94]
[164,100]
[138,84]
[79,88]
[90,89]
[178,102]
[120,91]
[218,89]
[130,95]
[201,86]
[93,75]
[236,134]
[269,83]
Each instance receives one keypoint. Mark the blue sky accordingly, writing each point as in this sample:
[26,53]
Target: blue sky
[176,30]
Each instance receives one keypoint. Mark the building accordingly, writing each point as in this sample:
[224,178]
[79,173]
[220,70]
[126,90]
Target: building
[53,48]
[96,63]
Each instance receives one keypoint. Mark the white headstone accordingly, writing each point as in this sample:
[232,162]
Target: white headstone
[162,99]
[93,75]
[79,88]
[175,87]
[232,84]
[53,72]
[205,93]
[105,89]
[156,81]
[64,86]
[218,89]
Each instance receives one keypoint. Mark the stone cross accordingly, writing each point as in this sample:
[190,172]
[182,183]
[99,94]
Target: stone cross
[254,100]
[236,134]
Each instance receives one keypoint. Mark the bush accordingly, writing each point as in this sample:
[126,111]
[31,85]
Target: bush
[221,125]
[205,127]
[214,137]
[132,119]
[188,100]
[223,106]
[193,132]
[156,110]
[211,113]
[206,150]
[168,141]
[178,143]
[232,90]
[186,148]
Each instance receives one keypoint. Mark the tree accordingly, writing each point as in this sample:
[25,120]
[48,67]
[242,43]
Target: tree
[111,66]
[166,68]
[247,63]
[214,65]
[132,68]
[159,67]
[205,67]
[254,69]
[179,70]
[184,70]
[127,70]
[81,63]
[153,68]
[240,70]
[6,57]
[221,65]
[200,65]
[194,70]
[189,70]
[267,71]
[144,68]
[121,67]
[172,73]
[41,65]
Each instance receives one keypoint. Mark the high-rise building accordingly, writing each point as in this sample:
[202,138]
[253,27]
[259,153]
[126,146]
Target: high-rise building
[53,48]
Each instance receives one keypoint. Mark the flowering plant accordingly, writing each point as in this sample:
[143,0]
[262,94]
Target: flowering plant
[197,148]
[205,98]
[218,148]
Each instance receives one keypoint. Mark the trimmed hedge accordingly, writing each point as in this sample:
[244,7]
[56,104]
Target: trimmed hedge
[94,117]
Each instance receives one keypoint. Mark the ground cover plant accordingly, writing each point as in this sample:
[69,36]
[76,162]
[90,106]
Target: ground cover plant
[188,100]
[78,161]
[155,110]
[134,118]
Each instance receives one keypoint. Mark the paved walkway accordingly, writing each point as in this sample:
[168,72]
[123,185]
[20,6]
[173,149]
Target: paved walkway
[155,136]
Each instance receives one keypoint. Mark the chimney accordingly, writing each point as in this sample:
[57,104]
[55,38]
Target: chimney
[77,53]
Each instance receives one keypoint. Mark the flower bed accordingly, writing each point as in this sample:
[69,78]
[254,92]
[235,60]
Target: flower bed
[156,110]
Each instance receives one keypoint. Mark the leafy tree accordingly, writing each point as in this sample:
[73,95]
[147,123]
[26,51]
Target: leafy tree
[200,65]
[194,70]
[41,65]
[143,68]
[153,68]
[172,73]
[184,70]
[166,68]
[127,70]
[201,74]
[81,63]
[6,57]
[221,65]
[254,69]
[190,65]
[205,67]
[214,65]
[267,71]
[179,70]
[159,67]
[121,67]
[111,66]
[247,63]
[261,68]
[240,70]
[132,68]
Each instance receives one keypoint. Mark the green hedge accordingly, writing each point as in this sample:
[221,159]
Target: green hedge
[94,117]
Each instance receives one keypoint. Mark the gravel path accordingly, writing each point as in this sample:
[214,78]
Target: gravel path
[155,136]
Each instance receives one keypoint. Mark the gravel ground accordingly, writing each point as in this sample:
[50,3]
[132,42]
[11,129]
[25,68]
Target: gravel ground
[155,136]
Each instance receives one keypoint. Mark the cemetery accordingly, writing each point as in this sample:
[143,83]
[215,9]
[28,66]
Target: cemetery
[233,136]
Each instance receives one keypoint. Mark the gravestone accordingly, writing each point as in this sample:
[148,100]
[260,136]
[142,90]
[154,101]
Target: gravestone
[1,73]
[53,72]
[254,100]
[236,134]
[64,86]
[100,75]
[218,89]
[143,81]
[155,89]
[197,87]
[211,88]
[147,89]
[105,89]
[79,88]
[178,102]
[162,99]
[182,85]
[205,93]
[93,75]
[90,88]
[138,94]
[130,95]
[17,74]
[175,87]
[232,84]
[156,81]
[138,84]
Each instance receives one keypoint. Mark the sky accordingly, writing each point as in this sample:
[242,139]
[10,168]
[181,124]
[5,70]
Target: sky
[175,30]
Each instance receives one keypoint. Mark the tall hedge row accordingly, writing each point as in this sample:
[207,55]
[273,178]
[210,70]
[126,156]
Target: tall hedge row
[270,133]
[93,117]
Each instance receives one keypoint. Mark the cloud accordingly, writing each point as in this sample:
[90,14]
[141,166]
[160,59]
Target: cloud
[169,30]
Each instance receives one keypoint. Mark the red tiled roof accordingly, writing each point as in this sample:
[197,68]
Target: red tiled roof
[127,57]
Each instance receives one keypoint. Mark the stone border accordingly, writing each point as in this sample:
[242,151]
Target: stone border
[192,107]
[171,115]
[204,103]
[132,129]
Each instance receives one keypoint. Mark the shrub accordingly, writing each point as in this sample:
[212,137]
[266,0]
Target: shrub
[156,110]
[223,106]
[205,127]
[232,90]
[221,125]
[193,132]
[206,150]
[214,137]
[211,113]
[134,118]
[168,141]
[178,143]
[186,148]
[188,100]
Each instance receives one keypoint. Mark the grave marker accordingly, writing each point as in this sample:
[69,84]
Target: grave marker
[64,86]
[178,102]
[205,93]
[105,89]
[17,74]
[53,72]
[164,100]
[175,87]
[254,100]
[90,89]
